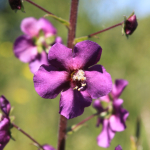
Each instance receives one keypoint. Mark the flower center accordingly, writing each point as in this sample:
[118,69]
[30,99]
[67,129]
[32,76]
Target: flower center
[79,80]
[43,42]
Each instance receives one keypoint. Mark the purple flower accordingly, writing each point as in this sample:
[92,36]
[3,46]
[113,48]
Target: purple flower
[48,147]
[112,117]
[75,75]
[130,24]
[4,122]
[32,47]
[118,147]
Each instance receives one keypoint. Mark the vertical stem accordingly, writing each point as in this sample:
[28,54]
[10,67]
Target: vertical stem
[73,20]
[71,36]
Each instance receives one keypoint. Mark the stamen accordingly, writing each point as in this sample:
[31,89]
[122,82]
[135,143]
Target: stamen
[79,79]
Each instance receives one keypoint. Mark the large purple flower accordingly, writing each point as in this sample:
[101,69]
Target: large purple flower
[39,36]
[75,75]
[113,116]
[4,122]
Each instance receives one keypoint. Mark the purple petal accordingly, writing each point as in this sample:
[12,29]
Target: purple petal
[48,147]
[118,87]
[117,120]
[30,26]
[24,49]
[73,102]
[98,81]
[87,53]
[105,98]
[47,27]
[4,132]
[106,135]
[5,105]
[97,105]
[116,124]
[118,147]
[38,61]
[49,82]
[60,56]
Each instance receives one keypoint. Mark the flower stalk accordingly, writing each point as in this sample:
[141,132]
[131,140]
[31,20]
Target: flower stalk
[71,36]
[39,7]
[27,135]
[83,121]
[111,27]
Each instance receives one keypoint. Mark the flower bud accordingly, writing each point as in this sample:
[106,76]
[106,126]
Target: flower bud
[130,24]
[16,5]
[5,105]
[118,147]
[48,147]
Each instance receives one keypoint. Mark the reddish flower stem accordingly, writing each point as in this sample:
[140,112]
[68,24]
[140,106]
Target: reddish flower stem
[83,121]
[116,25]
[27,135]
[73,21]
[39,7]
[71,36]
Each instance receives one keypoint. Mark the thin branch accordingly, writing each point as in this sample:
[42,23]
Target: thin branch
[83,121]
[39,7]
[27,135]
[93,34]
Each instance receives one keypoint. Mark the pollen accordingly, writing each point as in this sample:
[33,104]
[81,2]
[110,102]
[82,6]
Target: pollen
[79,80]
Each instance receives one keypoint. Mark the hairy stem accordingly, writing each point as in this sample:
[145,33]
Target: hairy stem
[71,36]
[27,135]
[116,25]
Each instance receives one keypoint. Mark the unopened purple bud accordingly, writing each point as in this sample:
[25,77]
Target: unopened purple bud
[48,147]
[5,105]
[118,147]
[130,25]
[15,4]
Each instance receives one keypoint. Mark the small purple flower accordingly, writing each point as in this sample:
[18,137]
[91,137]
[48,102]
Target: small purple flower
[4,122]
[130,24]
[48,147]
[75,75]
[118,147]
[112,117]
[32,47]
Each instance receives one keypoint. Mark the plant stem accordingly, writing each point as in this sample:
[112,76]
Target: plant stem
[119,24]
[83,121]
[39,7]
[73,21]
[71,36]
[27,135]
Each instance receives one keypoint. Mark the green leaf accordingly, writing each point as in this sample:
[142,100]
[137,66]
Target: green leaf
[80,39]
[64,22]
[73,128]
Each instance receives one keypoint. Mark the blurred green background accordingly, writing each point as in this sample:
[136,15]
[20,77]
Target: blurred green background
[123,58]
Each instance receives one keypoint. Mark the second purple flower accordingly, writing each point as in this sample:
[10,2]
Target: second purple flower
[75,75]
[32,47]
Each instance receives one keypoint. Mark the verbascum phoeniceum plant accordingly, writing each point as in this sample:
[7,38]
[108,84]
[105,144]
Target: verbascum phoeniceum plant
[71,70]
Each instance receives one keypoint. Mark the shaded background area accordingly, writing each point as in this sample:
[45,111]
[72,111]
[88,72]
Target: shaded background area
[122,58]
